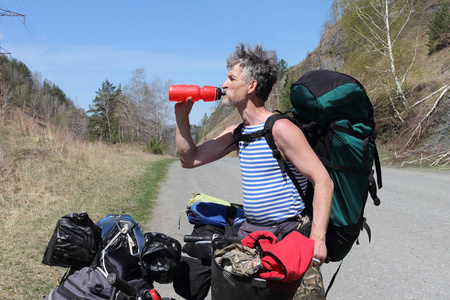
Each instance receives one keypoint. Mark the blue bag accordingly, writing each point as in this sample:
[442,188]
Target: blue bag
[121,232]
[208,213]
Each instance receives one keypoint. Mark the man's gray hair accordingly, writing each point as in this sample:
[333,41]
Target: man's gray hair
[256,63]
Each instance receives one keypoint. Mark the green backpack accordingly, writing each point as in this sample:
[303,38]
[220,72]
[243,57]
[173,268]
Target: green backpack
[336,116]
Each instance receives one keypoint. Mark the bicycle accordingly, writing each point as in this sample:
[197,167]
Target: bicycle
[132,292]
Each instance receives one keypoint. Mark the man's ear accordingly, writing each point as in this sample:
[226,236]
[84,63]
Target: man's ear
[252,86]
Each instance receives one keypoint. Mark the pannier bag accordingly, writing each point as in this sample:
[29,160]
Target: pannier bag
[160,257]
[122,249]
[210,216]
[193,278]
[90,283]
[121,232]
[83,283]
[74,243]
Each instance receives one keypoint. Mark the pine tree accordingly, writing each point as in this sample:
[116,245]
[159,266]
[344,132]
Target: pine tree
[439,30]
[102,123]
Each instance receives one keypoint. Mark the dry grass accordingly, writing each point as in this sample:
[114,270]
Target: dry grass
[44,174]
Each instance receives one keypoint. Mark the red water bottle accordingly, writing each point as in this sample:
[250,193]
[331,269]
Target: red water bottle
[180,92]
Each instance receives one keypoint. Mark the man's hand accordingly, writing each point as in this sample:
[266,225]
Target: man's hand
[183,108]
[320,253]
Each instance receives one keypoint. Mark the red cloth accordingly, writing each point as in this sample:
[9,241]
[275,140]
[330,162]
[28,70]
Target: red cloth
[285,261]
[261,238]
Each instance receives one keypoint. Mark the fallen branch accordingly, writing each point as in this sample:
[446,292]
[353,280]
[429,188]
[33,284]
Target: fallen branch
[437,161]
[435,104]
[417,129]
[446,87]
[441,156]
[416,160]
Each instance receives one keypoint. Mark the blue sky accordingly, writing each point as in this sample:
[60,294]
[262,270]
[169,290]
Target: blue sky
[79,44]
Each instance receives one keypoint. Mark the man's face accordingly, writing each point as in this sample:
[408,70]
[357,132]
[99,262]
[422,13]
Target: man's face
[234,87]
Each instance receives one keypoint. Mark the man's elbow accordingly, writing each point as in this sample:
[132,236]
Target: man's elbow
[330,184]
[186,164]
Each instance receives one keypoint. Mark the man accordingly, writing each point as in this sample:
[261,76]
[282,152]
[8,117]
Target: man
[252,73]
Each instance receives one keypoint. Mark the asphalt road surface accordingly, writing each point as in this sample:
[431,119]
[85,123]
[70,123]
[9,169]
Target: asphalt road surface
[408,257]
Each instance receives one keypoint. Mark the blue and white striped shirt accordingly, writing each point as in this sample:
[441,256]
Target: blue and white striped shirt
[269,195]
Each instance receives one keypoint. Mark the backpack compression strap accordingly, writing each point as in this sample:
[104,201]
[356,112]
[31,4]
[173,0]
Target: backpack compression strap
[366,140]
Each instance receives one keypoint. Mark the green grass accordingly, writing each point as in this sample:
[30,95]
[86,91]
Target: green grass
[147,188]
[96,179]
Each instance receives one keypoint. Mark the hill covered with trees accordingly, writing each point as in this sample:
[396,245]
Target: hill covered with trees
[43,100]
[138,112]
[399,50]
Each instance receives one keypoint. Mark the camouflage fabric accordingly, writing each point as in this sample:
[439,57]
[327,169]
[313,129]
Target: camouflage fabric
[311,287]
[239,259]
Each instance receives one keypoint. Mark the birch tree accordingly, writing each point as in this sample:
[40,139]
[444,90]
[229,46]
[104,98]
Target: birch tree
[137,92]
[162,111]
[379,25]
[146,108]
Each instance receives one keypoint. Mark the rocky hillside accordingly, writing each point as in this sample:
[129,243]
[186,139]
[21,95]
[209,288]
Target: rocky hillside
[420,134]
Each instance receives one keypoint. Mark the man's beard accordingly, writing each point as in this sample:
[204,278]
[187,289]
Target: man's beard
[227,100]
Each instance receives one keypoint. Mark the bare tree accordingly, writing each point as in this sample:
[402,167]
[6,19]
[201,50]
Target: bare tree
[381,24]
[161,112]
[36,96]
[145,110]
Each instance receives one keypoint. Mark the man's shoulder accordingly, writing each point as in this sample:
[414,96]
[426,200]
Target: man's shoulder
[284,125]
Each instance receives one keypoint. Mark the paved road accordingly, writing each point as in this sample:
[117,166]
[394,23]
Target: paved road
[408,257]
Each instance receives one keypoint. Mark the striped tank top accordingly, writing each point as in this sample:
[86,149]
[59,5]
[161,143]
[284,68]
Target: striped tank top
[269,196]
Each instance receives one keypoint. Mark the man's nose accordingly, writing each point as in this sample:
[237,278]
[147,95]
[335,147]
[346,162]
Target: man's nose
[225,84]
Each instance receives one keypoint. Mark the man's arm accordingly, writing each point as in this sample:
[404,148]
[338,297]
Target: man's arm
[191,155]
[294,147]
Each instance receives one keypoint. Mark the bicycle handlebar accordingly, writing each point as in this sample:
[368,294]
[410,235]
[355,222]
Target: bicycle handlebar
[122,285]
[196,239]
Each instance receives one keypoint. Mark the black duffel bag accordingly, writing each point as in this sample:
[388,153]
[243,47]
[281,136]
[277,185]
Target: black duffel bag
[74,243]
[160,257]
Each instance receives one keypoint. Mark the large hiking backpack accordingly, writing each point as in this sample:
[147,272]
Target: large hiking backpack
[336,116]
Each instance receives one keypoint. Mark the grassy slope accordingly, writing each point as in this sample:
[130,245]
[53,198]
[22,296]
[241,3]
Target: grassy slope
[45,174]
[429,73]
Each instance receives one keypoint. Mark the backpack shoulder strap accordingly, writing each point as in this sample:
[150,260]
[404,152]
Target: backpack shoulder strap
[237,133]
[239,136]
[270,140]
[266,132]
[276,153]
